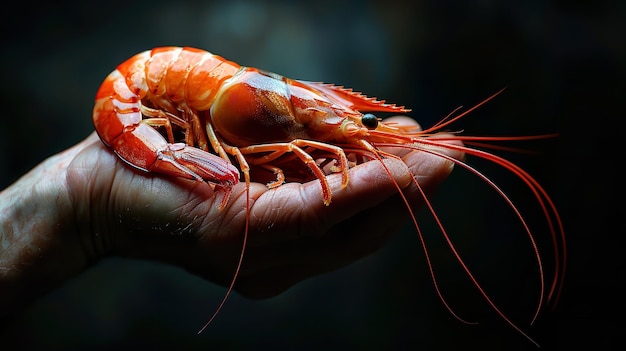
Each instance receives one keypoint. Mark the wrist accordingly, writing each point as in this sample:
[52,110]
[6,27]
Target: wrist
[39,248]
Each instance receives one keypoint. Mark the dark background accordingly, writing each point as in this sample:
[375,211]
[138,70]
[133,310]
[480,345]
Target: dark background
[563,64]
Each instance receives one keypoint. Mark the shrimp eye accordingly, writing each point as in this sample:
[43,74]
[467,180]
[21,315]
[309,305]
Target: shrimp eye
[370,121]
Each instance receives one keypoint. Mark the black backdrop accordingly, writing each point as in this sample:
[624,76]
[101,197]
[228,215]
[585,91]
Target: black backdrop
[563,65]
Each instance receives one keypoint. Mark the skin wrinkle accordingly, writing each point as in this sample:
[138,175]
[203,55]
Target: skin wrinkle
[87,215]
[429,165]
[237,199]
[193,203]
[101,187]
[307,197]
[101,230]
[301,217]
[196,223]
[70,179]
[190,204]
[145,224]
[269,210]
[101,225]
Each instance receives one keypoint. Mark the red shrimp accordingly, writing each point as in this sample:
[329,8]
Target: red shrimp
[188,113]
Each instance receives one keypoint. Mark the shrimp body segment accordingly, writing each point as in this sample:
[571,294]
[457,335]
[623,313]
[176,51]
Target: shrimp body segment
[142,97]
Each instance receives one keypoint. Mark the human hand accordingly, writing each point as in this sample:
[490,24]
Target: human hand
[85,204]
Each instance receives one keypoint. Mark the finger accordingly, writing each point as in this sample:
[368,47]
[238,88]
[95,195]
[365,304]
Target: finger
[296,210]
[403,121]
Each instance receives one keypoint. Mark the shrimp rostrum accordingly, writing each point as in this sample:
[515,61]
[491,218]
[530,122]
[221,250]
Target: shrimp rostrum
[185,112]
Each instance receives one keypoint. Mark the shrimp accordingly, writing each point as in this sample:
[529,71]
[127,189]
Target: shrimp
[185,112]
